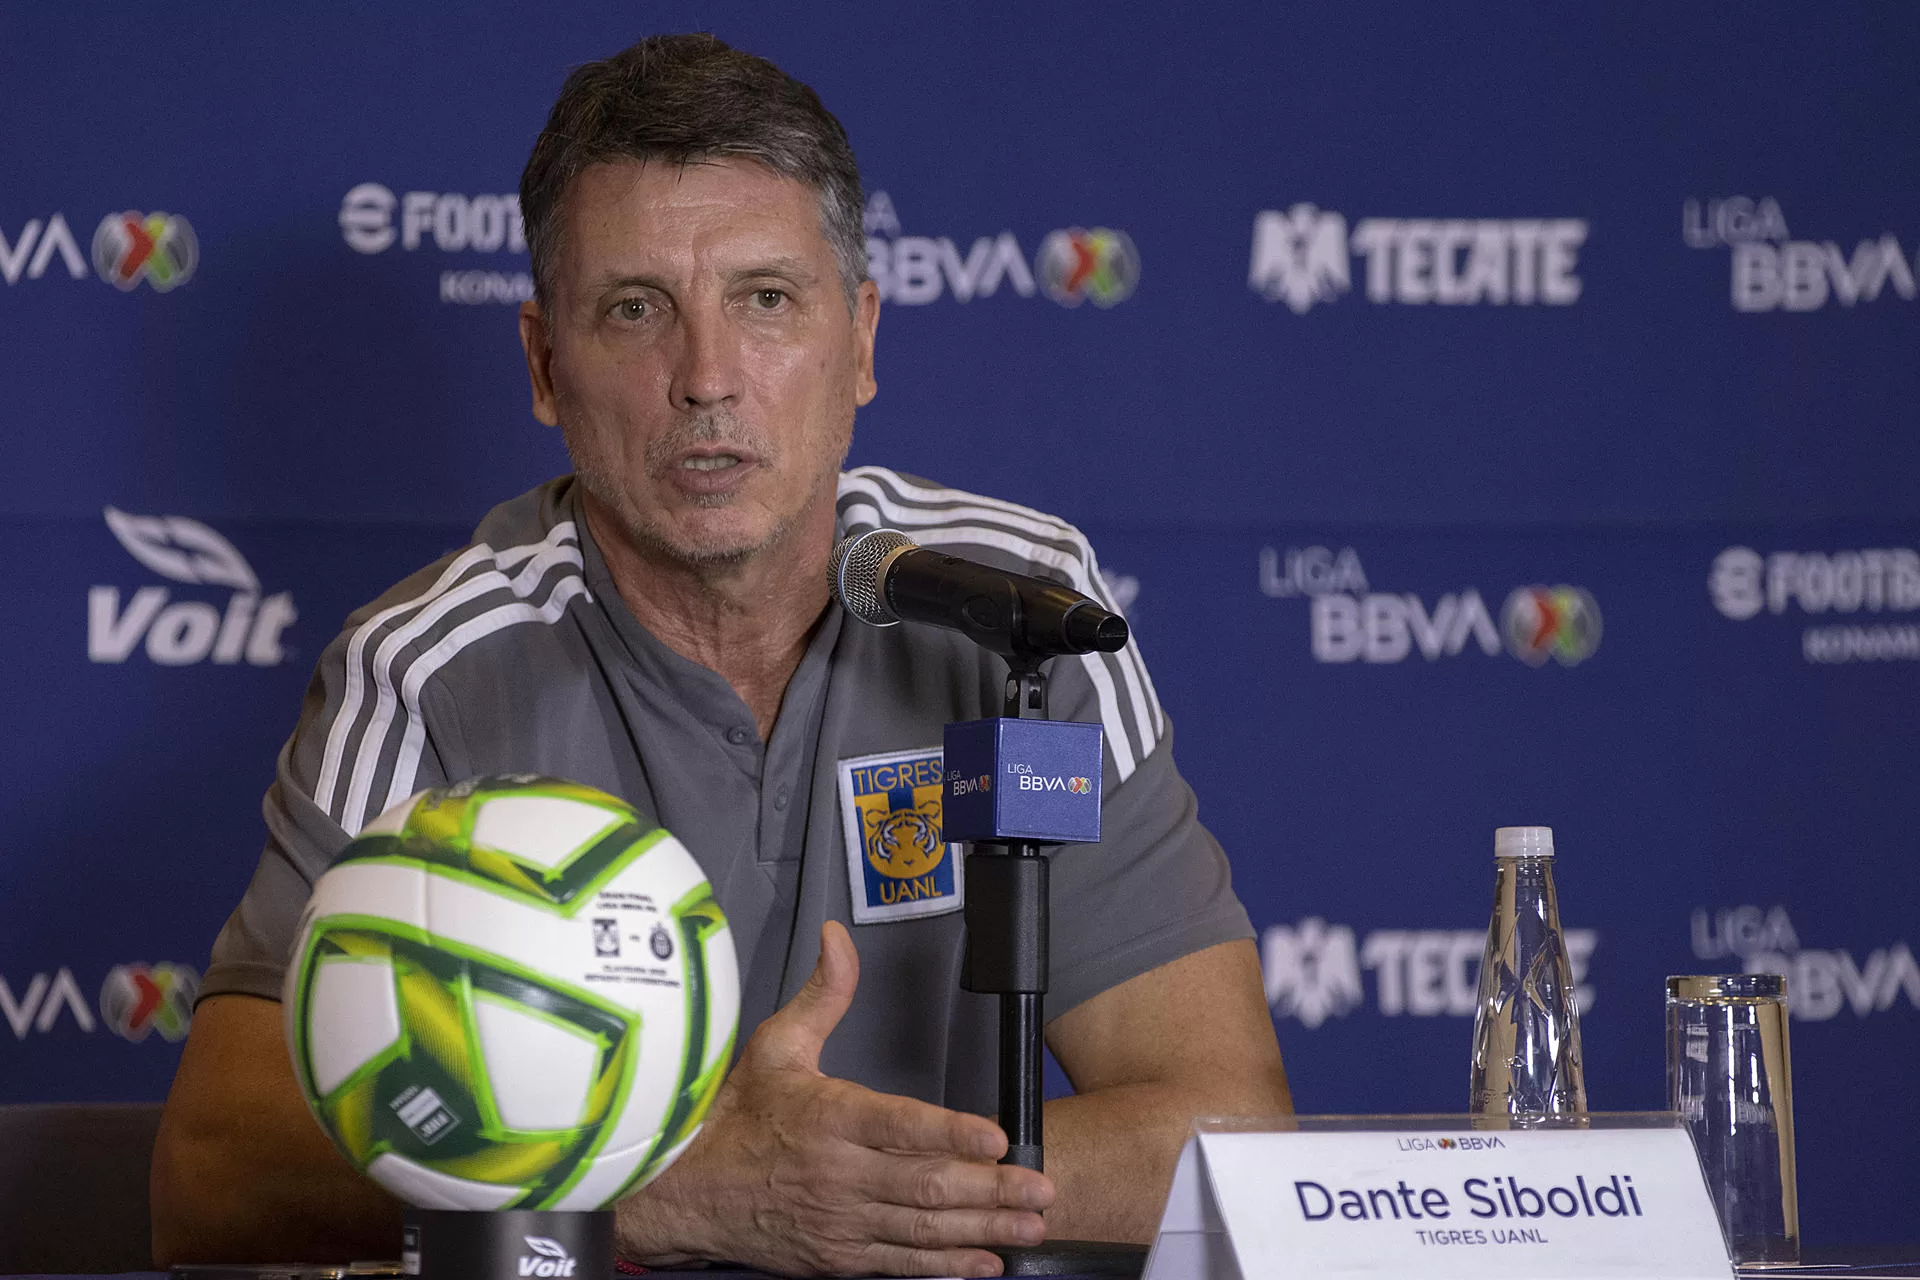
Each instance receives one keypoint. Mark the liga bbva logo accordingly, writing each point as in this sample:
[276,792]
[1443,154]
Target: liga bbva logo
[1350,622]
[1769,270]
[136,1000]
[243,627]
[1821,982]
[1304,256]
[130,248]
[1074,264]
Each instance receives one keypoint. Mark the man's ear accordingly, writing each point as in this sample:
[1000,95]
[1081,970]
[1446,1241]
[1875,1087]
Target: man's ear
[866,320]
[533,340]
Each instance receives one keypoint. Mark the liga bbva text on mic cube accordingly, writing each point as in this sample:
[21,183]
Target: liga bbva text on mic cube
[1036,780]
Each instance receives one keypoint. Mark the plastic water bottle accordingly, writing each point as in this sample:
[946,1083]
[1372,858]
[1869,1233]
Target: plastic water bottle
[1526,1031]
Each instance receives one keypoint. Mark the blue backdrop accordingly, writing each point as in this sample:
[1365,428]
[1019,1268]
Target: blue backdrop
[1493,415]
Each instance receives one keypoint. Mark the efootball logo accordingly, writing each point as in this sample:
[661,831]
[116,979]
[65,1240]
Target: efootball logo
[158,248]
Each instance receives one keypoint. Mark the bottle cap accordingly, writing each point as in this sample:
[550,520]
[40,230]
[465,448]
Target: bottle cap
[1523,842]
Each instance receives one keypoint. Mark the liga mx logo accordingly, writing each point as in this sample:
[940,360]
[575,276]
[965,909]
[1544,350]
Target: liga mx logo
[159,248]
[898,863]
[1562,623]
[1100,265]
[139,999]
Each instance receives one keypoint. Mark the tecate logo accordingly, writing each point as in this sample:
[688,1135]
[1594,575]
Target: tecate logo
[185,632]
[550,1258]
[1313,970]
[1302,257]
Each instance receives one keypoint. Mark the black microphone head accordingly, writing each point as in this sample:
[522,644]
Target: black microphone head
[854,574]
[1088,628]
[1111,637]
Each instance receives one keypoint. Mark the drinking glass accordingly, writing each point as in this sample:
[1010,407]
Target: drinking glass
[1729,1077]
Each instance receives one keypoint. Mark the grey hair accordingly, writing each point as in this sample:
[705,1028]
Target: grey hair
[688,99]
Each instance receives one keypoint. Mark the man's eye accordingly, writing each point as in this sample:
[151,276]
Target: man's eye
[768,299]
[630,309]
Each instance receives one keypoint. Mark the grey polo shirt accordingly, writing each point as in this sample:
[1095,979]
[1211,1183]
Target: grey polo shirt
[518,655]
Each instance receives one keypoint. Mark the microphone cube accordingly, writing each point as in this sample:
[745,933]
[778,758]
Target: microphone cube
[1035,780]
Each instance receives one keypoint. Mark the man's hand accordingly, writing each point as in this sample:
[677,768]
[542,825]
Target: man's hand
[799,1173]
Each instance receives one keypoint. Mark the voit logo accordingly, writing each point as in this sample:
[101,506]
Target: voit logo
[1348,621]
[1315,971]
[548,1258]
[1769,270]
[1304,256]
[174,633]
[1821,982]
[130,248]
[373,220]
[1873,581]
[1074,265]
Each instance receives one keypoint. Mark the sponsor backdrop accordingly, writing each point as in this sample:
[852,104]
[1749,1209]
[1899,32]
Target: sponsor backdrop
[1490,416]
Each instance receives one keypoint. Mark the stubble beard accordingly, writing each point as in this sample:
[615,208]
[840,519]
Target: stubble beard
[599,469]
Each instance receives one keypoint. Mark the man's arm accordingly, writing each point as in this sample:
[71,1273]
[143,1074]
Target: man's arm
[793,1171]
[241,1172]
[1190,1038]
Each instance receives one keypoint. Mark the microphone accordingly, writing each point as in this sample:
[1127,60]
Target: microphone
[883,577]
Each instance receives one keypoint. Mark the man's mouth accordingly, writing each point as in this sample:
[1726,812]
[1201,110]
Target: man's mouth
[713,472]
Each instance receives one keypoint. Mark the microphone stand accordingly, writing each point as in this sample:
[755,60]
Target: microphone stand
[1007,922]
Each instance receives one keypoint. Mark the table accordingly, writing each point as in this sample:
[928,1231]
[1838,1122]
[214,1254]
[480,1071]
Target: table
[1858,1262]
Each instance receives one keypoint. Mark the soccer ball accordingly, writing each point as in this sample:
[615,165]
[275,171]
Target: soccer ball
[512,993]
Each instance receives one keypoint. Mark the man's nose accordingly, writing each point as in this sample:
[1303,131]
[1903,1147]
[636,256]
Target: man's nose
[707,371]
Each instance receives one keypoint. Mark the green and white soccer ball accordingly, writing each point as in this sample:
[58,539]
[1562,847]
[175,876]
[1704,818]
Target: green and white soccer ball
[512,993]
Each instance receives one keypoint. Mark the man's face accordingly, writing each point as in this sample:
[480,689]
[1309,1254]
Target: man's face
[699,357]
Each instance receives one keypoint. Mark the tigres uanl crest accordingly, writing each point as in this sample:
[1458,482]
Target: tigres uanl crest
[897,860]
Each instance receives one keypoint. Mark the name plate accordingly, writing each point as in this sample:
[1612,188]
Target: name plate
[1556,1203]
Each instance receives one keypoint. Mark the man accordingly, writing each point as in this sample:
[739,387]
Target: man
[659,626]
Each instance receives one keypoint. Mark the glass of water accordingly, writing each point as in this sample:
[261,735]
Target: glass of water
[1729,1077]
